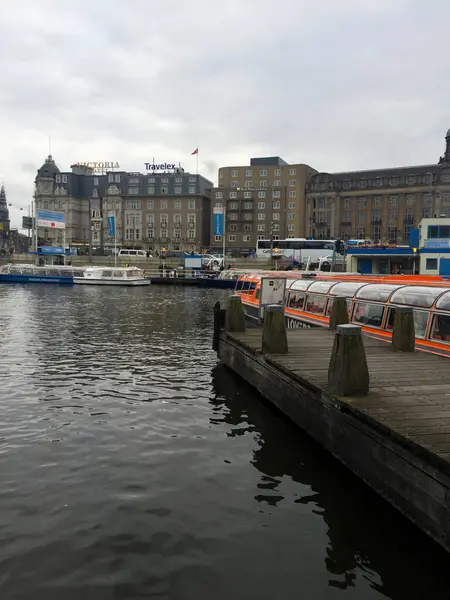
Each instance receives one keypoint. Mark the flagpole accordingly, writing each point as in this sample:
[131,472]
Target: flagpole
[115,237]
[197,162]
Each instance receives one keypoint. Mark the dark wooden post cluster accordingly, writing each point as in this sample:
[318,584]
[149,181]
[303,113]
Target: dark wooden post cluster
[348,374]
[274,337]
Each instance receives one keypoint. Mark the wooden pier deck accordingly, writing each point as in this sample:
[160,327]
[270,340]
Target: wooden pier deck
[397,438]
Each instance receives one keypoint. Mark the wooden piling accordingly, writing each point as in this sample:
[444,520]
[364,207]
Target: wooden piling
[274,338]
[348,374]
[339,312]
[403,333]
[235,317]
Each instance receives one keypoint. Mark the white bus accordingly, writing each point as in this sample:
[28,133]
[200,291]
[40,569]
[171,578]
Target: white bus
[299,249]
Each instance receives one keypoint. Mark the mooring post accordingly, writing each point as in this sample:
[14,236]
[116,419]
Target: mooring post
[235,317]
[348,374]
[274,337]
[404,333]
[339,312]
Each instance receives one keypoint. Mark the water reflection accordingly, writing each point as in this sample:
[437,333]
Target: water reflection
[367,538]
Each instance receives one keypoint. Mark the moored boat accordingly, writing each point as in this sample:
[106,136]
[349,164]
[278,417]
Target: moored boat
[26,273]
[371,303]
[124,276]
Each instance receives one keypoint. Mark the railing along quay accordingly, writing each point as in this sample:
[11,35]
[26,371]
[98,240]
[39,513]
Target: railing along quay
[382,409]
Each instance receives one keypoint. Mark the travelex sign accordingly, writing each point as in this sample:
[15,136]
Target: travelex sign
[159,167]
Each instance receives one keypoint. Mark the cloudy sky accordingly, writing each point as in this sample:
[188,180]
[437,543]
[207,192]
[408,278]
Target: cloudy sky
[337,84]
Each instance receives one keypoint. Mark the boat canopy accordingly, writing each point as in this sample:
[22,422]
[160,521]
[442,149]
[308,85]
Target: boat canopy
[416,295]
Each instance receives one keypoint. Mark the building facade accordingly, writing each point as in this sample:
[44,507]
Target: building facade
[4,220]
[168,210]
[382,204]
[263,198]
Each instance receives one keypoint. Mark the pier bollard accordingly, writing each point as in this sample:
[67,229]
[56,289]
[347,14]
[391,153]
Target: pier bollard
[348,374]
[403,333]
[274,337]
[339,312]
[235,317]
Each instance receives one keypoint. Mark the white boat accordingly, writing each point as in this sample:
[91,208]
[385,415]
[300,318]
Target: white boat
[130,276]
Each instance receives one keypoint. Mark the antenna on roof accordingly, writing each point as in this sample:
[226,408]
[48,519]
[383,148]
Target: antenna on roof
[50,145]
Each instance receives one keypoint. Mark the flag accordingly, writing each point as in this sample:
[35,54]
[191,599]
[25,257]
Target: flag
[195,152]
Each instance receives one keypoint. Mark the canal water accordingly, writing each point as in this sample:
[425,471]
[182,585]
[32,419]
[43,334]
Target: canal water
[133,465]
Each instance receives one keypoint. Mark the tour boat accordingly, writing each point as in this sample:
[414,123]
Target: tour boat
[24,273]
[130,276]
[371,304]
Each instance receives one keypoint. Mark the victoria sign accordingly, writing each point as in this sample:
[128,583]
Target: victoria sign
[98,166]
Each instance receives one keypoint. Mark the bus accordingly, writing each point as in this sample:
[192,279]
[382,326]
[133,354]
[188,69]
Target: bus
[299,249]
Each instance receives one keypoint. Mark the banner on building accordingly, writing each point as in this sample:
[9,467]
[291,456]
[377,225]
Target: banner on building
[112,225]
[51,219]
[219,220]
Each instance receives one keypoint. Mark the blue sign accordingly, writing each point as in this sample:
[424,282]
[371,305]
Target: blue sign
[414,238]
[218,220]
[112,225]
[50,250]
[50,218]
[437,243]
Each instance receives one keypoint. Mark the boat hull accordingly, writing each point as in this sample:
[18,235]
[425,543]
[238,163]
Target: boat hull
[19,278]
[126,283]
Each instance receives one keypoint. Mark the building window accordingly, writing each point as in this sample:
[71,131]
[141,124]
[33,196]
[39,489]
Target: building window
[133,205]
[232,195]
[191,205]
[393,201]
[261,205]
[248,205]
[360,233]
[249,183]
[362,202]
[233,216]
[292,193]
[277,183]
[263,172]
[263,183]
[291,227]
[58,179]
[248,216]
[361,216]
[150,233]
[110,177]
[192,189]
[376,202]
[431,264]
[276,194]
[133,191]
[376,233]
[277,172]
[231,238]
[233,206]
[164,190]
[292,182]
[261,194]
[276,204]
[411,179]
[248,173]
[392,233]
[427,200]
[192,179]
[163,221]
[234,173]
[150,220]
[247,227]
[234,184]
[347,184]
[261,227]
[379,182]
[191,220]
[163,204]
[276,227]
[245,238]
[428,178]
[117,178]
[149,204]
[362,183]
[177,219]
[218,204]
[394,180]
[261,216]
[291,204]
[393,216]
[410,200]
[276,216]
[151,180]
[293,172]
[406,231]
[151,189]
[232,227]
[178,189]
[133,181]
[95,180]
[247,194]
[217,238]
[178,180]
[291,216]
[426,213]
[347,202]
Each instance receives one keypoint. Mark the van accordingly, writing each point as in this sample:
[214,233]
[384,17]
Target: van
[127,252]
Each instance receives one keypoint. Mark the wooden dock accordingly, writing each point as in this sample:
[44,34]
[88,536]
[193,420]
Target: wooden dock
[397,438]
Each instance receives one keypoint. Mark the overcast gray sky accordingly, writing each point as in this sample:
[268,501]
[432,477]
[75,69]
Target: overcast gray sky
[337,84]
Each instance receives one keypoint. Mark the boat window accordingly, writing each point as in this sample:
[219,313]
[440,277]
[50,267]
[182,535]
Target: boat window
[321,286]
[28,270]
[440,330]
[65,272]
[107,273]
[330,305]
[444,302]
[118,274]
[15,270]
[346,288]
[376,291]
[296,300]
[315,304]
[420,318]
[301,285]
[416,296]
[130,274]
[258,293]
[366,313]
